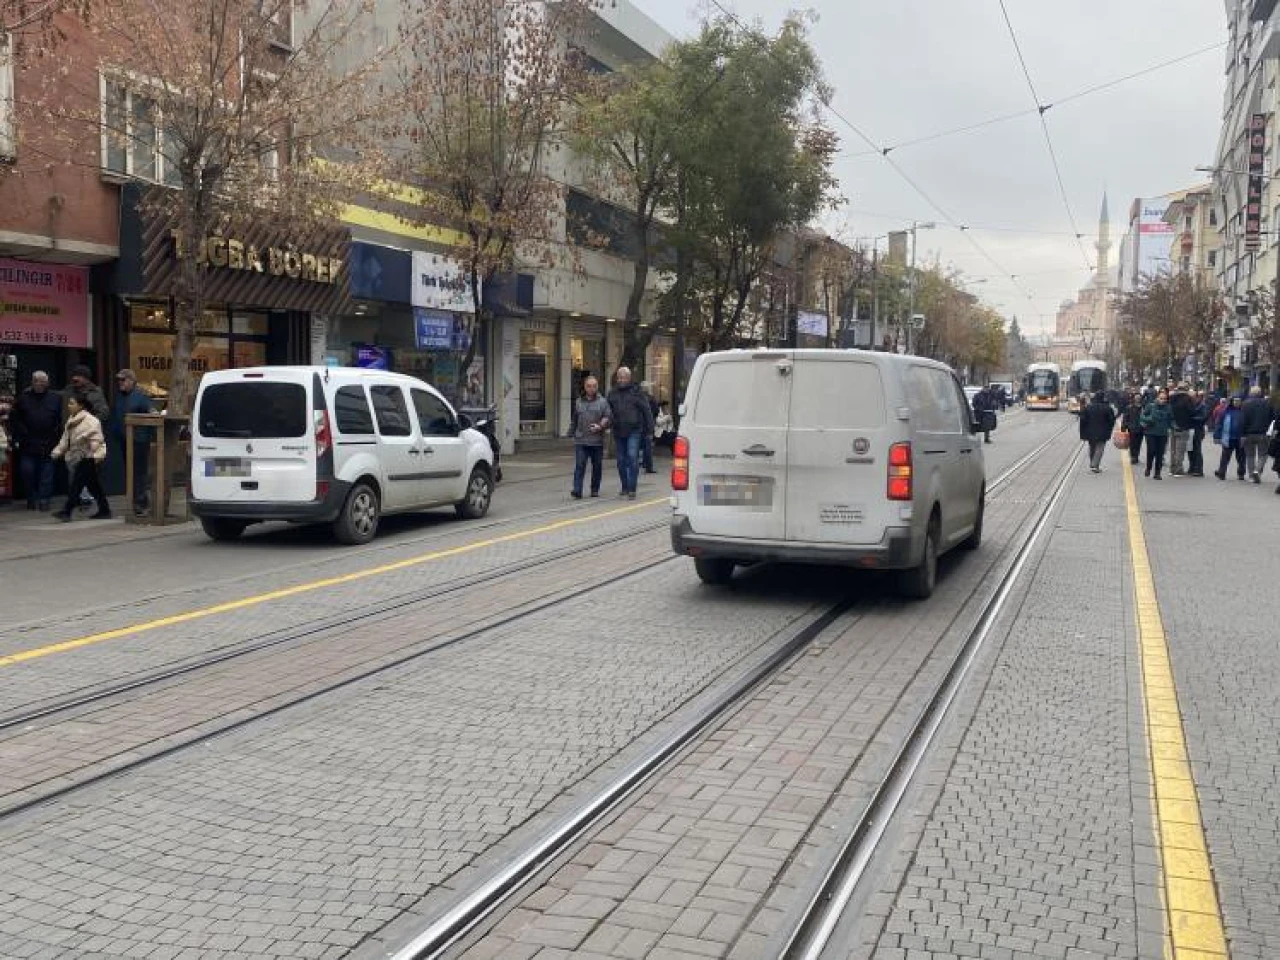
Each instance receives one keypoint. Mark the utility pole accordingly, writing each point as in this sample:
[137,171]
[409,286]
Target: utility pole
[911,310]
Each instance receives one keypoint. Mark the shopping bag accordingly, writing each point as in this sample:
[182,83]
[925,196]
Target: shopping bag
[1121,439]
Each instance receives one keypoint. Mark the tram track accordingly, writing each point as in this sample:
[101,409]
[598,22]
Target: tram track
[504,887]
[49,714]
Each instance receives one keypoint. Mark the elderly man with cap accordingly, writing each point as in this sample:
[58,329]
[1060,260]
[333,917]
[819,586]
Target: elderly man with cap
[36,423]
[130,399]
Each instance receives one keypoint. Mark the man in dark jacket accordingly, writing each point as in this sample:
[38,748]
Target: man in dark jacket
[1199,417]
[1256,420]
[1097,420]
[631,420]
[88,393]
[130,399]
[1131,421]
[1181,405]
[984,410]
[36,422]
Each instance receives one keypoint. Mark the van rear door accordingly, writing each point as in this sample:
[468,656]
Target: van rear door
[737,433]
[254,439]
[837,463]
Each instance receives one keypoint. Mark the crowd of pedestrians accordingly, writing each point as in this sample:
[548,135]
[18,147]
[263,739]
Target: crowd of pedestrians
[1172,424]
[75,427]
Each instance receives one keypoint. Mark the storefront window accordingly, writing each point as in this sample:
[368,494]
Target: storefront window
[588,361]
[537,382]
[658,368]
[151,343]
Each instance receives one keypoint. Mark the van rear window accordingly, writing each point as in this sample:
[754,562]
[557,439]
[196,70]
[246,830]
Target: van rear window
[253,411]
[742,393]
[836,395]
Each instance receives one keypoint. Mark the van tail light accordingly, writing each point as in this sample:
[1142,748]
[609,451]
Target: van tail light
[901,472]
[680,464]
[324,436]
[322,489]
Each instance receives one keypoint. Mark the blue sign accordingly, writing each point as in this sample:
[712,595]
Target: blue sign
[433,328]
[379,273]
[370,357]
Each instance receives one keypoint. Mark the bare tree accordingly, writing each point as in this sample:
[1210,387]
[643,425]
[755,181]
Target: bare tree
[485,87]
[226,107]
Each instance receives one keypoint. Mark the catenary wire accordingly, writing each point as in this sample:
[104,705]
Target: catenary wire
[1041,109]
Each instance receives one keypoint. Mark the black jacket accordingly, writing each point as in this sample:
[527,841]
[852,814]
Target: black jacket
[631,413]
[1132,417]
[1183,407]
[1257,416]
[1097,420]
[36,421]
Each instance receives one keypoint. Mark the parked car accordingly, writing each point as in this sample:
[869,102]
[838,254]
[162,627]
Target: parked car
[826,456]
[341,446]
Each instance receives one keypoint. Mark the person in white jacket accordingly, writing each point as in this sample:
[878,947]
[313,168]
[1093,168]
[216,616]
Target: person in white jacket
[84,448]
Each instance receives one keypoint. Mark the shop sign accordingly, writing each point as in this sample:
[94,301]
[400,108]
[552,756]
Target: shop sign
[44,304]
[813,324]
[1257,173]
[434,329]
[235,254]
[440,283]
[370,357]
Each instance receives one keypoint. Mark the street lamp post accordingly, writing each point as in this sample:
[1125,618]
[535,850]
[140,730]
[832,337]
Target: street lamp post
[911,311]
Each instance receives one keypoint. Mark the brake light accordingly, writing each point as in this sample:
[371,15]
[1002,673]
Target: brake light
[322,489]
[324,438]
[901,472]
[680,464]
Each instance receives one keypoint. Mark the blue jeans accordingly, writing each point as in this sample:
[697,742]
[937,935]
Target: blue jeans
[629,462]
[37,477]
[582,453]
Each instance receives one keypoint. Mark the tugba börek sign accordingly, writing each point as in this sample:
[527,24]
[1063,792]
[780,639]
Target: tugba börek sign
[234,254]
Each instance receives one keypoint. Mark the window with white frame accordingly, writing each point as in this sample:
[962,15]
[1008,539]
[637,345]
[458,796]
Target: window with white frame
[8,127]
[134,140]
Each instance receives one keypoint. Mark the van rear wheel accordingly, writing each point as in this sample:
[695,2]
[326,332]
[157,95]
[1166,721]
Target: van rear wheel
[918,582]
[358,521]
[222,529]
[715,571]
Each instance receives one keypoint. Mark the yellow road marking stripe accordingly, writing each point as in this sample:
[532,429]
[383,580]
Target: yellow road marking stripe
[1194,922]
[36,653]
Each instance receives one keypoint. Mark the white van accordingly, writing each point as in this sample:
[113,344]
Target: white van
[329,445]
[826,456]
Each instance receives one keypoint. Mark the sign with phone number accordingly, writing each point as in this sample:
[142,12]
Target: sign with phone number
[44,304]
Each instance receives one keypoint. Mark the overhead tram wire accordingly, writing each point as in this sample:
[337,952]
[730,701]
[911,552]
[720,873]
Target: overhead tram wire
[884,153]
[1042,108]
[1017,114]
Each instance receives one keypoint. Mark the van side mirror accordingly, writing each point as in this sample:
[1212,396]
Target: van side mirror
[464,422]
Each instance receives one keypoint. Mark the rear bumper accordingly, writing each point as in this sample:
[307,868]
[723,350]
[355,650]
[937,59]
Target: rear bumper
[898,550]
[257,511]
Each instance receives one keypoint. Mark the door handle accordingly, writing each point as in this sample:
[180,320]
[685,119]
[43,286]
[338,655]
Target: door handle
[414,451]
[428,450]
[758,450]
[966,449]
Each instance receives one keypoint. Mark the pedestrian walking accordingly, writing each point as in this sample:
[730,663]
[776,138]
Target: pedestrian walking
[1256,419]
[1157,421]
[84,448]
[646,446]
[1199,417]
[984,409]
[1181,404]
[1219,408]
[1131,423]
[36,425]
[631,419]
[88,393]
[1229,434]
[1097,420]
[131,399]
[590,421]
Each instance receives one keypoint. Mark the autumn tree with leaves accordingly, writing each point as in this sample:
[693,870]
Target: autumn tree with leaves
[485,88]
[1166,318]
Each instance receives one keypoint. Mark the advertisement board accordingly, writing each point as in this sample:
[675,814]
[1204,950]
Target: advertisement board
[1155,237]
[811,324]
[44,304]
[441,283]
[433,329]
[371,357]
[1257,171]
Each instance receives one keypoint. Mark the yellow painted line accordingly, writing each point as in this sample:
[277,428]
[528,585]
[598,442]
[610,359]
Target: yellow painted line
[310,586]
[1194,916]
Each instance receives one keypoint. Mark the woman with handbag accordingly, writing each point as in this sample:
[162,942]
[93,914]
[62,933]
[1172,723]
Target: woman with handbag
[1157,421]
[84,448]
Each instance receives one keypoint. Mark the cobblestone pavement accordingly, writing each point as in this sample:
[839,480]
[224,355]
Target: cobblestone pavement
[1032,833]
[1212,547]
[716,856]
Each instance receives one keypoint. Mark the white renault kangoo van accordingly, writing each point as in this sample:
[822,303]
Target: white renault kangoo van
[333,445]
[826,456]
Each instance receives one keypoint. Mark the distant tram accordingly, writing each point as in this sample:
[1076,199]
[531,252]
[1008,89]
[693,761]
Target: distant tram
[1087,376]
[1043,382]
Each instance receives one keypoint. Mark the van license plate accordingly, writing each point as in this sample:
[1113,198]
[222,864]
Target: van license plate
[226,467]
[752,492]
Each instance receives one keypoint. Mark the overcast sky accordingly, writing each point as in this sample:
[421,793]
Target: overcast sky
[908,68]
